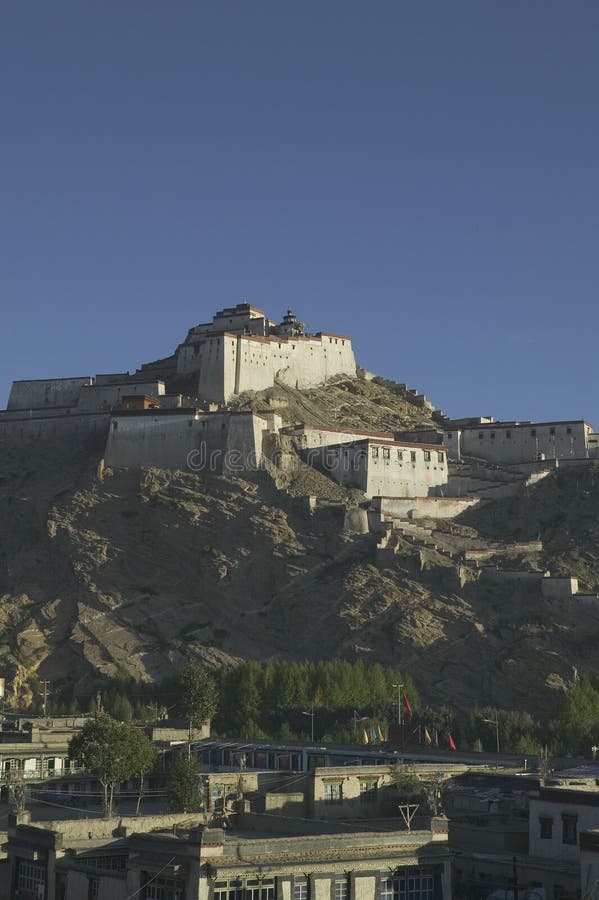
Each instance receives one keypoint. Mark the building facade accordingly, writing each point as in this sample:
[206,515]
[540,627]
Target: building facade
[180,860]
[384,468]
[521,442]
[242,350]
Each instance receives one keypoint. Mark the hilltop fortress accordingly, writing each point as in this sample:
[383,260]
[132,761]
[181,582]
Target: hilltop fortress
[176,413]
[242,350]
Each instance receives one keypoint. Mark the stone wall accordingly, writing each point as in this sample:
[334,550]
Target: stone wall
[230,364]
[41,393]
[105,396]
[73,426]
[186,440]
[386,469]
[423,507]
[513,443]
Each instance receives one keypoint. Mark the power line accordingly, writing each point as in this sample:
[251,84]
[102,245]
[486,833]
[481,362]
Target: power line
[153,878]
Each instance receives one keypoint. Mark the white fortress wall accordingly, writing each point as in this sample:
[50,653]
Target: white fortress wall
[320,436]
[105,396]
[70,425]
[452,439]
[406,471]
[186,440]
[520,442]
[228,364]
[343,463]
[44,392]
[423,507]
[244,443]
[384,468]
[162,440]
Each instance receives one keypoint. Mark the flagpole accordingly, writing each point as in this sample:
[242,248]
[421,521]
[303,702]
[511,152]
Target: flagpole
[399,687]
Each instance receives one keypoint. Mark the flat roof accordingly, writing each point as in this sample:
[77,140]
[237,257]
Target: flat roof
[238,310]
[339,430]
[492,426]
[183,411]
[406,445]
[64,378]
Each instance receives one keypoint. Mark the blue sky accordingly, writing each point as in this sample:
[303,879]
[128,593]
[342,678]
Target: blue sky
[420,175]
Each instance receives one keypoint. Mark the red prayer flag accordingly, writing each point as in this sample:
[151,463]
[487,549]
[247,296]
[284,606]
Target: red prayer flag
[406,705]
[452,745]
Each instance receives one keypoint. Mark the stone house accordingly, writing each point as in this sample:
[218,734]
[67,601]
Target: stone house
[169,858]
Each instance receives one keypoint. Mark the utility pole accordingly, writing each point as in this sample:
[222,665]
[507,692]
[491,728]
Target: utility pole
[311,714]
[44,696]
[494,722]
[399,716]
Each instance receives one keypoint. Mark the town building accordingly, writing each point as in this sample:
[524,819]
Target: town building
[180,858]
[36,747]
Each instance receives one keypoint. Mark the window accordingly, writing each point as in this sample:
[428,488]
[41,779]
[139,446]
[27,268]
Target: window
[427,455]
[375,452]
[112,863]
[228,890]
[569,829]
[480,435]
[368,790]
[545,828]
[410,883]
[162,888]
[568,430]
[341,891]
[413,455]
[533,432]
[31,876]
[263,889]
[552,431]
[93,888]
[333,792]
[492,435]
[301,889]
[400,454]
[441,456]
[508,434]
[450,435]
[386,453]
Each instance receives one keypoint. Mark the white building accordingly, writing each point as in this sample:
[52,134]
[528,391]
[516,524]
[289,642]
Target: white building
[242,350]
[188,440]
[384,468]
[558,815]
[519,442]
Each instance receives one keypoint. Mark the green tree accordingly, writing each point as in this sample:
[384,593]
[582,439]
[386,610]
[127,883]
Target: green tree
[198,697]
[407,782]
[182,788]
[144,756]
[575,726]
[112,751]
[122,709]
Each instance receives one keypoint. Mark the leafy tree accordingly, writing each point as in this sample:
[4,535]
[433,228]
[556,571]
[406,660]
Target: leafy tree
[407,782]
[112,751]
[144,756]
[576,725]
[121,708]
[182,787]
[198,697]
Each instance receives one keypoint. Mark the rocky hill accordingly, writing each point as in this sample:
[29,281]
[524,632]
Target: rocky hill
[144,570]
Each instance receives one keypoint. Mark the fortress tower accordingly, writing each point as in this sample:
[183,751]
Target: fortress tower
[243,350]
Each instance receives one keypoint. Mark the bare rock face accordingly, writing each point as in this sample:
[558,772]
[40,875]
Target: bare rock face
[145,570]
